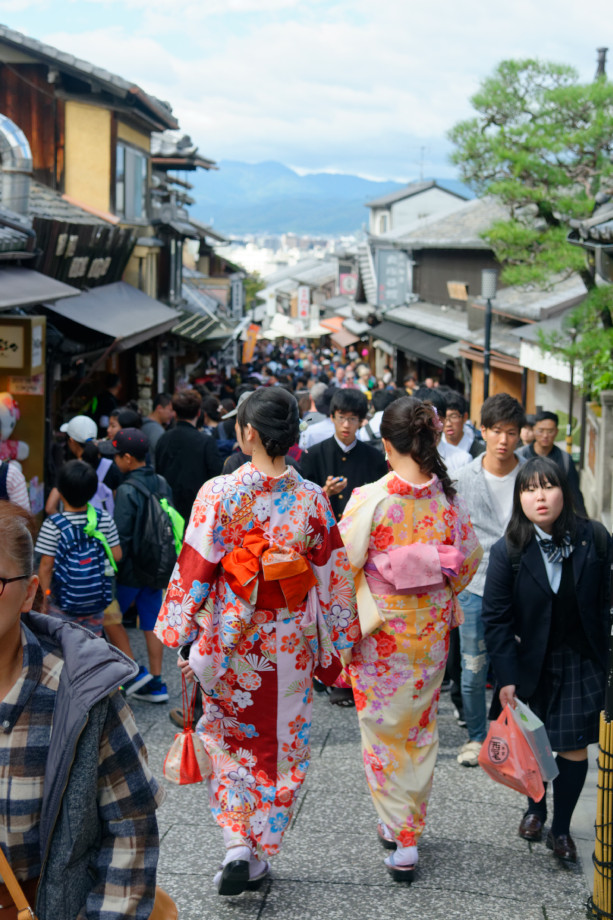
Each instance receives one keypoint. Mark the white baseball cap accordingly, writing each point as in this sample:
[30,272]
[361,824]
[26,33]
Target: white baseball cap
[81,428]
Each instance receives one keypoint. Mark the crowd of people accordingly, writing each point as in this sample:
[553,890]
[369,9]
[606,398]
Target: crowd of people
[301,526]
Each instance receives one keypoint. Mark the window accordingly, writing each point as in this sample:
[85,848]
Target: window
[383,223]
[130,183]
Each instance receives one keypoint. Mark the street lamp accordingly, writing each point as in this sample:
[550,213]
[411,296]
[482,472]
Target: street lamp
[573,333]
[488,292]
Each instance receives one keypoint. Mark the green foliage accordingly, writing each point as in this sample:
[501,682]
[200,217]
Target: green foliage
[592,350]
[543,144]
[253,284]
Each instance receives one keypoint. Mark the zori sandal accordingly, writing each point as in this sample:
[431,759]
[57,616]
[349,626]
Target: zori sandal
[385,836]
[401,864]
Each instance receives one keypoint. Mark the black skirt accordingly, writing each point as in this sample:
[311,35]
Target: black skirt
[569,699]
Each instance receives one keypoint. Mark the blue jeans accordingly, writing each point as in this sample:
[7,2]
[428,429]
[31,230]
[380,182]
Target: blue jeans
[474,666]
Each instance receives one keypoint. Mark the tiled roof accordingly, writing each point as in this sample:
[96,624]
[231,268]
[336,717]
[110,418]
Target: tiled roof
[597,229]
[114,84]
[11,239]
[461,229]
[414,188]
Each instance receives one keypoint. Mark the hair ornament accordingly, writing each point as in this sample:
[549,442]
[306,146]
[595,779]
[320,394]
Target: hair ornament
[438,422]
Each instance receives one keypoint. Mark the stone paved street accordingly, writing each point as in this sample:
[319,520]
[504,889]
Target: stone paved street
[473,864]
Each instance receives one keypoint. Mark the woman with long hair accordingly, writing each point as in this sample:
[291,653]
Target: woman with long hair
[263,593]
[412,549]
[546,611]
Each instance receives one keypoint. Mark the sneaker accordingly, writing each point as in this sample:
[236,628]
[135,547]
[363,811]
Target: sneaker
[131,686]
[459,717]
[154,691]
[469,754]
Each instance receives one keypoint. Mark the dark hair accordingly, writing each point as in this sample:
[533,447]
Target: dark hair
[187,404]
[210,406]
[381,399]
[127,418]
[434,397]
[17,530]
[349,401]
[541,470]
[502,408]
[111,381]
[456,403]
[91,454]
[162,399]
[228,404]
[412,427]
[547,417]
[273,412]
[77,483]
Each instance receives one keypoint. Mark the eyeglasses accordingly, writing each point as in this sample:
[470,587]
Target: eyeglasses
[453,417]
[6,581]
[350,419]
[545,431]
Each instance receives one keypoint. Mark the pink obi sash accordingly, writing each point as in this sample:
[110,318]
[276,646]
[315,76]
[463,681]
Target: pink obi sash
[415,569]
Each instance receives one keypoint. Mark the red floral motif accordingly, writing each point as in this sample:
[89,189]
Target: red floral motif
[407,838]
[382,536]
[360,699]
[386,645]
[289,643]
[303,659]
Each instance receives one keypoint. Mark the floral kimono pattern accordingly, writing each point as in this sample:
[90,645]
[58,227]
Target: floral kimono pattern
[260,620]
[397,670]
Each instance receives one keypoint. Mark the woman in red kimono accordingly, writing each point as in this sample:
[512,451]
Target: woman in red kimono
[262,591]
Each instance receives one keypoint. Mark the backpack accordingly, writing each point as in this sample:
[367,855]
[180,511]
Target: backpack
[373,440]
[4,492]
[158,531]
[103,498]
[81,586]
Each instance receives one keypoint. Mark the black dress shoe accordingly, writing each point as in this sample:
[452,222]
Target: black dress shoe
[563,847]
[531,826]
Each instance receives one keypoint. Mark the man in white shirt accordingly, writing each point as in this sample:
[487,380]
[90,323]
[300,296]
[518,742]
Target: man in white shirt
[486,485]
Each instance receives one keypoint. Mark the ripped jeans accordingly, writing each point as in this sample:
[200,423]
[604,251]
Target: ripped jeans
[474,665]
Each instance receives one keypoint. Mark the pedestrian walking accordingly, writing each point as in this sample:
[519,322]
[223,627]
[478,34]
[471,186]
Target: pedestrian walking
[412,547]
[263,595]
[79,551]
[545,432]
[184,456]
[81,433]
[146,537]
[78,799]
[486,485]
[546,613]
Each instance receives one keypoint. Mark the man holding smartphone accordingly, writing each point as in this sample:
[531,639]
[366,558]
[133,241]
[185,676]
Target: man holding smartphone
[342,463]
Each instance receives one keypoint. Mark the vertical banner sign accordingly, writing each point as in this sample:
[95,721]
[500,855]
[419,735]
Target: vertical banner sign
[392,267]
[249,344]
[237,295]
[347,278]
[304,303]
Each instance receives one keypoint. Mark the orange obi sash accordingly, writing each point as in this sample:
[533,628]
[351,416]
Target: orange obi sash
[268,576]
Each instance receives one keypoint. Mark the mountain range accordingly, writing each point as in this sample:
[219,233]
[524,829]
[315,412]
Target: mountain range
[241,198]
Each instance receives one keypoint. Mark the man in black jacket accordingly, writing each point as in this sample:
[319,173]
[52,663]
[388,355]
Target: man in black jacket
[342,463]
[185,456]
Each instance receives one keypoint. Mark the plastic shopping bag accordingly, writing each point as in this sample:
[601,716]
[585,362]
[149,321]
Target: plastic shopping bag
[187,761]
[507,757]
[535,734]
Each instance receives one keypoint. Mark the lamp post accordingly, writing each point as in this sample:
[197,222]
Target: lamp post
[488,292]
[571,392]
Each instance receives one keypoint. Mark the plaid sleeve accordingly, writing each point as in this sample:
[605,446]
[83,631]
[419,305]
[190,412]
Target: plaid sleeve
[128,795]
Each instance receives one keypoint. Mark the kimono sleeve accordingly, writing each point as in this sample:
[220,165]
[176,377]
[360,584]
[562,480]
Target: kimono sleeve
[335,588]
[196,570]
[466,541]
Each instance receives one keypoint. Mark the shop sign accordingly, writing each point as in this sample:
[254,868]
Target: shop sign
[304,302]
[22,344]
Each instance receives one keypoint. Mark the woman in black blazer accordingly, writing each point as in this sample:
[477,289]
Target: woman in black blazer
[546,611]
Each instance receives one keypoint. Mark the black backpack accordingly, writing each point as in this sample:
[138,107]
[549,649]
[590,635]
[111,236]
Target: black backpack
[153,554]
[373,439]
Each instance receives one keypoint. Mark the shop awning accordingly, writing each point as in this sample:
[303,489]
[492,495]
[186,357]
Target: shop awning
[343,338]
[23,287]
[416,342]
[333,323]
[119,311]
[198,321]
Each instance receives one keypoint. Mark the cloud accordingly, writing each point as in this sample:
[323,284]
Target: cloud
[352,87]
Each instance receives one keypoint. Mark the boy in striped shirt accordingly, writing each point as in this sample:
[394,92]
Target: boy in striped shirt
[77,484]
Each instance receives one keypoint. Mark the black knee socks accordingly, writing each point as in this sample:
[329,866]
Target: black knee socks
[567,788]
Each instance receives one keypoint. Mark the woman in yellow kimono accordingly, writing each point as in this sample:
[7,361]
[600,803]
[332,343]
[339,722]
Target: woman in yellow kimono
[412,548]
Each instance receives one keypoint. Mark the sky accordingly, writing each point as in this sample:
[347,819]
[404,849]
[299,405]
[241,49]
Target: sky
[357,86]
